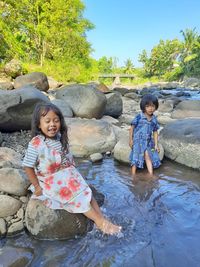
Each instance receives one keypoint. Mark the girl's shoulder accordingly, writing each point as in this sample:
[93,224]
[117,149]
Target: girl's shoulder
[138,116]
[136,119]
[37,141]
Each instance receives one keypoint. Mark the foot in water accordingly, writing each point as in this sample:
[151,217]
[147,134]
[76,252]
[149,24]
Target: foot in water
[152,177]
[109,228]
[135,179]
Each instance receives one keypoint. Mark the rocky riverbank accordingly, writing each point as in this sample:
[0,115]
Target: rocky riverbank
[17,141]
[98,120]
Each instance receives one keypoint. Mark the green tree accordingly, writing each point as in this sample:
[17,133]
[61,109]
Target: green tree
[146,61]
[190,57]
[47,29]
[9,44]
[129,67]
[162,57]
[105,65]
[190,37]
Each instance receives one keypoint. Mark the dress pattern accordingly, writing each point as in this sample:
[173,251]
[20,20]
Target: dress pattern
[63,186]
[143,141]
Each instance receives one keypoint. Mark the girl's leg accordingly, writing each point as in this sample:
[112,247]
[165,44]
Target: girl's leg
[95,206]
[148,163]
[103,224]
[133,170]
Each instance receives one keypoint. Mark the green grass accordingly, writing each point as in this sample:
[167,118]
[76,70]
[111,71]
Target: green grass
[67,72]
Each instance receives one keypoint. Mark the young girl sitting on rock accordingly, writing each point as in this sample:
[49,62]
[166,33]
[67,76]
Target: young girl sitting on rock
[51,171]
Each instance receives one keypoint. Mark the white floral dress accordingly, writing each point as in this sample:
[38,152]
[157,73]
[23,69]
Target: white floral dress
[63,186]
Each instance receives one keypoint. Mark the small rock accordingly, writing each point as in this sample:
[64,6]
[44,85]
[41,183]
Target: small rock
[14,220]
[96,157]
[24,199]
[15,228]
[20,213]
[8,218]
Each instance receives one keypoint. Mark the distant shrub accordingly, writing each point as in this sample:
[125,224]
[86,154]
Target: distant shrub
[174,75]
[65,71]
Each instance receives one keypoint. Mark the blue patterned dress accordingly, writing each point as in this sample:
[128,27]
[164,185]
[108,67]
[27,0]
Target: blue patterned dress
[143,141]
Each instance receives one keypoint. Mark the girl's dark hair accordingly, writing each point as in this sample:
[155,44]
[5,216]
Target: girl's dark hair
[41,109]
[147,100]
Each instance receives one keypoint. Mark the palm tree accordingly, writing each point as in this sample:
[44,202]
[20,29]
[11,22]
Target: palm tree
[190,37]
[189,55]
[129,67]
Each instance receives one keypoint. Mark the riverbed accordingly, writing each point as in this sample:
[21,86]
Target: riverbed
[160,220]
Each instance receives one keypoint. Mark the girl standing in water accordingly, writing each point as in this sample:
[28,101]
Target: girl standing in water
[143,136]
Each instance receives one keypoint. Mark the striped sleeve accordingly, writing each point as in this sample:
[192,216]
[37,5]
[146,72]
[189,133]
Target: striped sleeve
[31,157]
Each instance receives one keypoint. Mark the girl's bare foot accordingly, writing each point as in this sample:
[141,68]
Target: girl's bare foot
[109,228]
[135,178]
[152,176]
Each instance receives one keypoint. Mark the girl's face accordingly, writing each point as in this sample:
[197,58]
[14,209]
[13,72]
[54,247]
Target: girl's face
[149,109]
[50,124]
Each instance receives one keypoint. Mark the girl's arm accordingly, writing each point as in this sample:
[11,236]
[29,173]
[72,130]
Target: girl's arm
[155,137]
[34,180]
[71,159]
[131,134]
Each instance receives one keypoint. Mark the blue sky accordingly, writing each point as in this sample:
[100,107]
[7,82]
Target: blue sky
[123,28]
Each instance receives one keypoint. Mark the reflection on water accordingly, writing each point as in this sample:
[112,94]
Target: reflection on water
[160,220]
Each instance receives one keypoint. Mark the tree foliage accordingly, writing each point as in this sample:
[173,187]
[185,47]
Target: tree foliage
[162,57]
[45,29]
[190,57]
[105,64]
[172,59]
[129,67]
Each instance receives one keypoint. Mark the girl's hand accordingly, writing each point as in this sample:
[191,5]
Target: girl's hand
[157,148]
[38,190]
[131,144]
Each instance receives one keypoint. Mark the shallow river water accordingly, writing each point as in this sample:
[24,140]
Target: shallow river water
[160,220]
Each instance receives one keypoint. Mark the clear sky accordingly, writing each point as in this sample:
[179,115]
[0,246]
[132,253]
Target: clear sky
[123,28]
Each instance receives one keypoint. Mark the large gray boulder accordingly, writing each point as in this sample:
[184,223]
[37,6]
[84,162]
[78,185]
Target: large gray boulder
[181,142]
[122,149]
[164,118]
[64,107]
[114,106]
[53,83]
[6,86]
[16,108]
[130,106]
[45,223]
[186,109]
[191,82]
[9,158]
[166,105]
[37,79]
[86,101]
[13,68]
[87,137]
[13,181]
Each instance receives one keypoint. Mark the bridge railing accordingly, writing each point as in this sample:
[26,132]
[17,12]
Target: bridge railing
[116,77]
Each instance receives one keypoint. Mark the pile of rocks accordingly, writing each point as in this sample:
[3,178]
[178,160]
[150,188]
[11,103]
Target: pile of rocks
[98,122]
